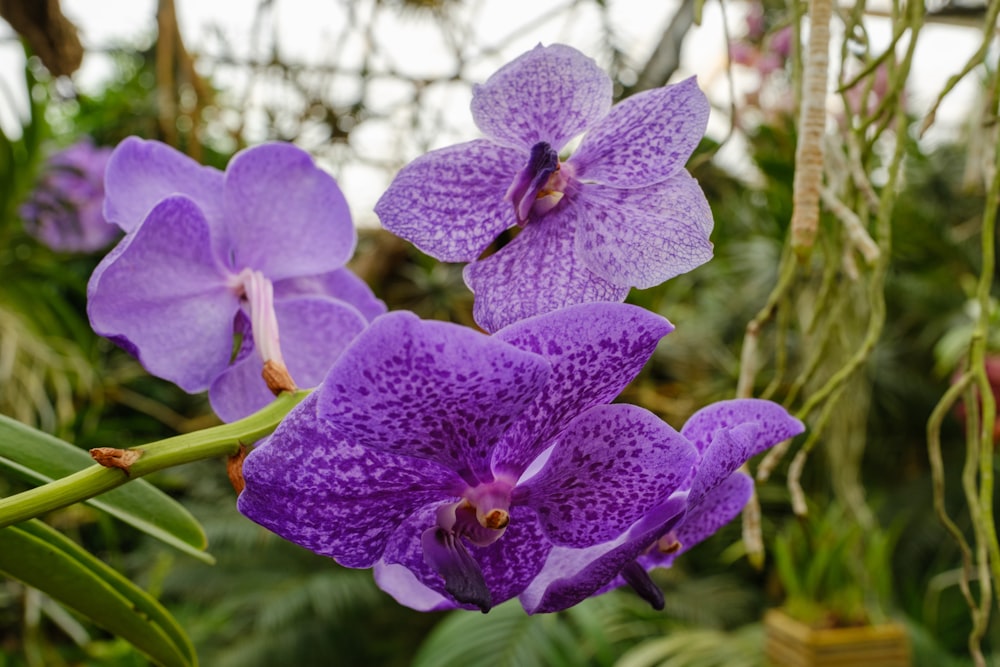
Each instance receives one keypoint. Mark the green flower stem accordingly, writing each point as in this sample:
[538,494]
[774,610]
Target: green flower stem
[209,443]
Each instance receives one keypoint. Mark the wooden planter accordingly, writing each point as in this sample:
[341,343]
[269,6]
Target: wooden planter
[791,643]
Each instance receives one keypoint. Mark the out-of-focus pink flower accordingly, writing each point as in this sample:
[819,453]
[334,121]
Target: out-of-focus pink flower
[780,44]
[879,88]
[65,211]
[743,53]
[756,26]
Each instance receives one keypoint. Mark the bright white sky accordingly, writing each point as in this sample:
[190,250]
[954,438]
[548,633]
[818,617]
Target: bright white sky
[305,31]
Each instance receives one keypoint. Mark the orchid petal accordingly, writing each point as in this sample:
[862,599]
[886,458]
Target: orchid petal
[340,284]
[315,235]
[551,94]
[595,349]
[162,275]
[646,138]
[430,390]
[332,497]
[730,433]
[535,273]
[450,202]
[644,237]
[610,465]
[140,174]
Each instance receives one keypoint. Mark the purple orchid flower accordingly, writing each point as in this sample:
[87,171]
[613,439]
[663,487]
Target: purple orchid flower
[726,435]
[65,210]
[620,212]
[456,462]
[211,255]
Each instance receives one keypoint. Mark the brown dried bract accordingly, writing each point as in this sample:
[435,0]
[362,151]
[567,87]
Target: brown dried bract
[112,457]
[277,378]
[234,468]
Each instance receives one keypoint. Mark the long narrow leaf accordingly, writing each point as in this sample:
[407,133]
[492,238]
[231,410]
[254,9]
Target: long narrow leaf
[42,557]
[40,458]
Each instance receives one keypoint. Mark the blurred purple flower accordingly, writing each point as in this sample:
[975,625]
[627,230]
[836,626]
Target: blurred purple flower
[412,454]
[620,212]
[211,255]
[726,435]
[65,210]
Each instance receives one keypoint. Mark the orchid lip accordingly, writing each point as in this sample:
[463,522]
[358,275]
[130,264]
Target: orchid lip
[540,185]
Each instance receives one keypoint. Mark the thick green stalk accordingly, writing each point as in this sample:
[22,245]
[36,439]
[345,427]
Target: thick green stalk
[210,443]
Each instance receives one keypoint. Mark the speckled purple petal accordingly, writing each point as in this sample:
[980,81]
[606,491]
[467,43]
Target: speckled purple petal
[729,433]
[551,94]
[450,202]
[644,237]
[508,564]
[646,138]
[570,576]
[141,173]
[340,284]
[713,511]
[608,467]
[285,216]
[162,295]
[334,498]
[535,273]
[595,350]
[431,390]
[314,331]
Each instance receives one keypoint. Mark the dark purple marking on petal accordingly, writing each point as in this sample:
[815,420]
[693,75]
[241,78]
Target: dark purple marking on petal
[162,293]
[641,238]
[140,174]
[536,273]
[399,582]
[551,94]
[609,467]
[285,216]
[333,497]
[596,350]
[730,433]
[431,390]
[450,202]
[644,139]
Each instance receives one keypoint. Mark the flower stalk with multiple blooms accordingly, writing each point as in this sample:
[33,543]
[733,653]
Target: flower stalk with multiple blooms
[466,468]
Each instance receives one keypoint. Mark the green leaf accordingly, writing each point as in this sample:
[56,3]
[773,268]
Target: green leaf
[41,557]
[41,458]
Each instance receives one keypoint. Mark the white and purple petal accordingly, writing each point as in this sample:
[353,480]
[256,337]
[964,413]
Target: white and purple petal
[595,350]
[314,331]
[162,294]
[450,202]
[608,467]
[432,390]
[142,173]
[645,138]
[644,237]
[551,94]
[535,273]
[333,497]
[285,216]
